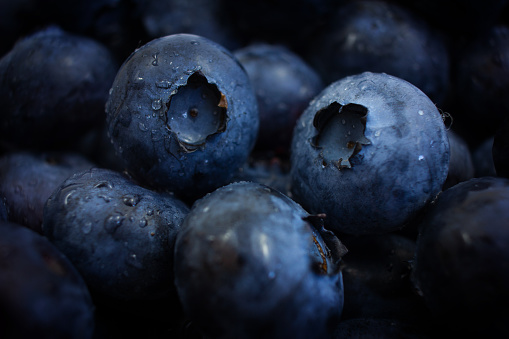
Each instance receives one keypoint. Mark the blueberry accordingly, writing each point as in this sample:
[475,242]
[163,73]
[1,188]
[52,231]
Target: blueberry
[370,151]
[27,179]
[461,259]
[251,263]
[461,165]
[481,82]
[376,277]
[119,235]
[284,84]
[41,293]
[482,156]
[53,88]
[182,114]
[200,17]
[380,36]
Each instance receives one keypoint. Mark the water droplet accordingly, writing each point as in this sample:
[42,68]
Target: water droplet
[105,198]
[421,112]
[67,197]
[206,209]
[343,122]
[156,104]
[421,157]
[142,127]
[143,223]
[193,42]
[130,200]
[104,184]
[150,212]
[132,260]
[110,91]
[155,61]
[113,222]
[377,133]
[163,84]
[87,227]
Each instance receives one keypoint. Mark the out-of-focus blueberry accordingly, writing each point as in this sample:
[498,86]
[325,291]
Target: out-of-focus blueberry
[119,235]
[376,277]
[482,157]
[461,166]
[182,114]
[27,179]
[380,36]
[41,293]
[250,264]
[481,84]
[53,88]
[462,258]
[370,152]
[200,17]
[284,84]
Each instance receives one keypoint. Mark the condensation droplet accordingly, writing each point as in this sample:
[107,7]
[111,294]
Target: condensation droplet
[163,84]
[421,157]
[377,133]
[142,127]
[143,223]
[421,112]
[113,222]
[130,200]
[87,227]
[156,104]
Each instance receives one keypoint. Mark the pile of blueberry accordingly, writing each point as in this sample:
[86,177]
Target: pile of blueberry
[254,169]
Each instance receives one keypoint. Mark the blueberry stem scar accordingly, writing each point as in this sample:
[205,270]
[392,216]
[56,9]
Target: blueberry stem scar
[340,133]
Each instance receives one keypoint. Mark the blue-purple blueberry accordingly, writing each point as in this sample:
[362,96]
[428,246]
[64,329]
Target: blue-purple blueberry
[370,151]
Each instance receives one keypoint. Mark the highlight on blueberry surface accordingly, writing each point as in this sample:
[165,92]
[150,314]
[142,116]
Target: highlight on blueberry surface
[182,114]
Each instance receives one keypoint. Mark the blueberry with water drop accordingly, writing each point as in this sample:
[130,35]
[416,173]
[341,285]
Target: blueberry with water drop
[252,263]
[119,235]
[370,151]
[182,114]
[27,179]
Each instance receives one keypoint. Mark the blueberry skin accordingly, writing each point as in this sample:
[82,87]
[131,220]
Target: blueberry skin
[249,264]
[284,84]
[53,88]
[170,135]
[27,179]
[461,166]
[380,36]
[374,172]
[461,259]
[119,235]
[42,295]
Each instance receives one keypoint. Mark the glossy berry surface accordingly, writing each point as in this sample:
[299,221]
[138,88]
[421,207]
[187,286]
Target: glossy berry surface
[182,114]
[249,264]
[119,235]
[370,151]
